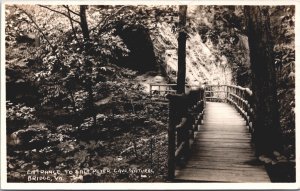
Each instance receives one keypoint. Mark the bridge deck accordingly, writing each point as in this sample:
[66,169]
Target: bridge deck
[222,151]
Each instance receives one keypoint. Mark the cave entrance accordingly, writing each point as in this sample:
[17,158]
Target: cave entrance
[138,41]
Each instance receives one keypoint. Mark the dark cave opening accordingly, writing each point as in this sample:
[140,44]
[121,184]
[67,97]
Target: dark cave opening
[138,41]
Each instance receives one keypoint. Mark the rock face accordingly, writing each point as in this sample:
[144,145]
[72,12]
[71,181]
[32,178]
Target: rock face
[203,64]
[28,38]
[207,58]
[204,61]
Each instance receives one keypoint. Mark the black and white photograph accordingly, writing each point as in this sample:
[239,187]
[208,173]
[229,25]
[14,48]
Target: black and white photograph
[148,93]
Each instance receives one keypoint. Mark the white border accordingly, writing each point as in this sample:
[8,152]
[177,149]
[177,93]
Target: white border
[157,2]
[145,186]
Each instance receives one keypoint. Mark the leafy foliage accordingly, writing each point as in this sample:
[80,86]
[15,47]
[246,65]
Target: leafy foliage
[19,112]
[283,27]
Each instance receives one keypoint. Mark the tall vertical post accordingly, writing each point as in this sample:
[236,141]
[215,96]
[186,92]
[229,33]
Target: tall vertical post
[83,23]
[227,95]
[181,50]
[171,139]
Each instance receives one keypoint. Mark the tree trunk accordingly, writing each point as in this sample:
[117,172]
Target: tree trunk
[267,136]
[72,24]
[181,50]
[91,104]
[83,23]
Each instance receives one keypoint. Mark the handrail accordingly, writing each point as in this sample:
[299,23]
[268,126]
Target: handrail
[215,92]
[241,98]
[185,117]
[163,89]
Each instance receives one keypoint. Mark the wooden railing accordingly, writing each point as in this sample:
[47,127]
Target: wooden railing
[186,114]
[216,93]
[162,89]
[185,117]
[241,98]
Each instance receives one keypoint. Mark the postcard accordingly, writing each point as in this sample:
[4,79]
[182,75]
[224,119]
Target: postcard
[149,95]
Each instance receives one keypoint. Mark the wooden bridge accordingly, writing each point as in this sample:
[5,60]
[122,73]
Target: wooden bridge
[209,136]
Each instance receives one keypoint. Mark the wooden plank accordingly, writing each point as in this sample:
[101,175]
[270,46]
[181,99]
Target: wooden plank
[208,130]
[222,119]
[224,116]
[218,132]
[224,127]
[224,161]
[221,141]
[221,150]
[205,133]
[221,112]
[222,145]
[225,167]
[236,156]
[242,157]
[228,123]
[217,175]
[217,165]
[217,149]
[227,138]
[220,129]
[226,134]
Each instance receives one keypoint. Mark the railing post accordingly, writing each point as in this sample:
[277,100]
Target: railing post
[241,96]
[202,105]
[235,92]
[244,104]
[204,95]
[183,137]
[171,139]
[250,111]
[229,93]
[238,100]
[226,94]
[159,90]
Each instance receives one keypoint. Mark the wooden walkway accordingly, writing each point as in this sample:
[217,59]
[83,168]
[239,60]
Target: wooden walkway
[222,151]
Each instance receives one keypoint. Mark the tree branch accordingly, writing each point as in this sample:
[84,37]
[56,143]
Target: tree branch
[38,28]
[64,14]
[71,22]
[67,7]
[104,21]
